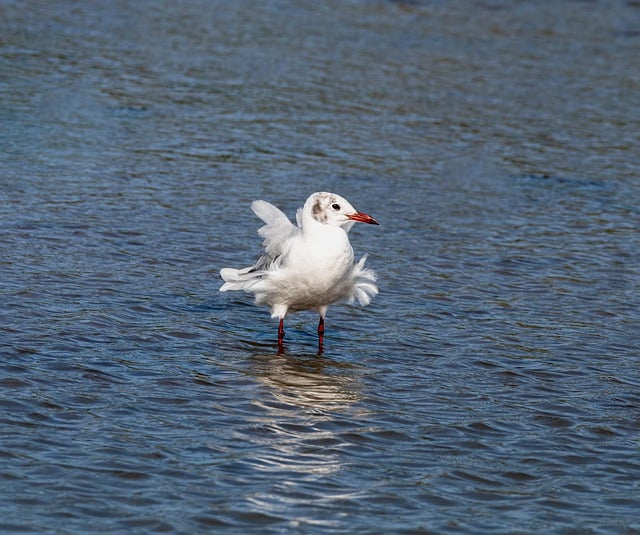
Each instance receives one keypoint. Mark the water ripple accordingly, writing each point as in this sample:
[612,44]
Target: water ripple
[492,385]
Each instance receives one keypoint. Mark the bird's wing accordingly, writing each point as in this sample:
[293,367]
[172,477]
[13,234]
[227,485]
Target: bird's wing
[278,233]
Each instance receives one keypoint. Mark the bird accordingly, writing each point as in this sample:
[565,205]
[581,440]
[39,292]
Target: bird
[308,265]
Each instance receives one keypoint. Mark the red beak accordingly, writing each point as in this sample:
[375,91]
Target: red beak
[363,218]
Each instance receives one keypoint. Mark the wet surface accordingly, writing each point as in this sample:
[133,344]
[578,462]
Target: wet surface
[491,387]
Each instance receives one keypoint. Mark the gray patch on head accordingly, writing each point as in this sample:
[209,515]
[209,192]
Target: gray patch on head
[318,212]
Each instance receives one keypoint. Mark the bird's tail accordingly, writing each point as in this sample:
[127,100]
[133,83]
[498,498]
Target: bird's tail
[365,288]
[239,279]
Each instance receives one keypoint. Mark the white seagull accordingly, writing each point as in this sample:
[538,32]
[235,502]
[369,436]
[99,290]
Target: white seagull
[309,266]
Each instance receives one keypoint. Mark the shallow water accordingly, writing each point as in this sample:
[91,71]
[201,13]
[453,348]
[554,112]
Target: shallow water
[493,384]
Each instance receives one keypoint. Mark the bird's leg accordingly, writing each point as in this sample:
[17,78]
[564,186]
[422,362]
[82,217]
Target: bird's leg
[281,337]
[320,334]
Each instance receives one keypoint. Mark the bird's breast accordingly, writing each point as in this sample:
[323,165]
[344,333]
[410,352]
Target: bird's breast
[329,249]
[317,272]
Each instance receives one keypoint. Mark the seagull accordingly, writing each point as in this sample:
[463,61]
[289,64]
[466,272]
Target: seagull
[307,266]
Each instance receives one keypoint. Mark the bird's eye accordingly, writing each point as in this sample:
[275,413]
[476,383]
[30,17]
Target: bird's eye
[335,206]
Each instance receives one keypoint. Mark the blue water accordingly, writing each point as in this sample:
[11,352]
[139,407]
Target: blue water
[492,386]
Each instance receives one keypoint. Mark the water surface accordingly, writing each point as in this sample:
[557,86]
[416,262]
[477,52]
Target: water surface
[493,384]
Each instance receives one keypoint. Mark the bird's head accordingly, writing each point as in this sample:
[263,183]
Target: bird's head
[331,209]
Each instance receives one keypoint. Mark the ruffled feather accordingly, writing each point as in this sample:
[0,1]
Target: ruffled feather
[364,283]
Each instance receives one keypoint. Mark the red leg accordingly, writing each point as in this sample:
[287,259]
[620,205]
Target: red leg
[281,337]
[320,335]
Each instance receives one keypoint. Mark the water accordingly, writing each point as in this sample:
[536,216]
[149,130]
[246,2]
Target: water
[493,384]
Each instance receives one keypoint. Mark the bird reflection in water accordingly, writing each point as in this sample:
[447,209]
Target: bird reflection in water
[302,416]
[313,382]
